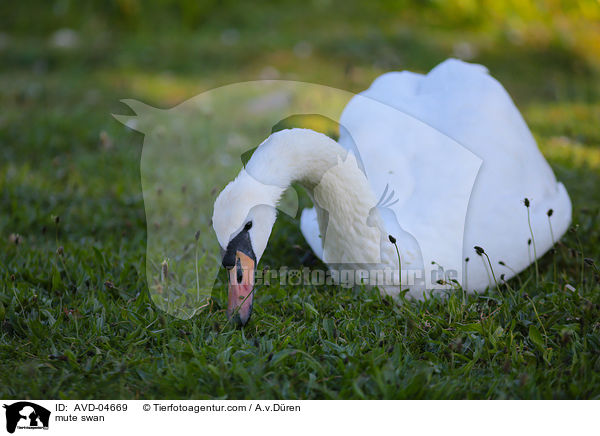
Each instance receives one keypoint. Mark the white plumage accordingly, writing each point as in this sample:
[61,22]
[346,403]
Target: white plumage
[465,103]
[457,154]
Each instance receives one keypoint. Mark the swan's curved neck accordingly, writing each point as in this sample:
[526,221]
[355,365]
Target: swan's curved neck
[294,155]
[349,223]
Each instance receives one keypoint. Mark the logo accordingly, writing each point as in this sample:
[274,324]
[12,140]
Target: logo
[26,415]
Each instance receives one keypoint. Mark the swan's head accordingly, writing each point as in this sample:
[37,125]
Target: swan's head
[243,217]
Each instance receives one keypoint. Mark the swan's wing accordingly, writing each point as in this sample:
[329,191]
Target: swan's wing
[464,103]
[419,163]
[309,226]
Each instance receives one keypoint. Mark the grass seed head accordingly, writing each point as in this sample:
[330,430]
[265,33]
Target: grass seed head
[480,251]
[526,201]
[392,239]
[164,269]
[550,212]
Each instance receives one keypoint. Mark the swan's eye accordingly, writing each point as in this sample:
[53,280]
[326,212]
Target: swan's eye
[248,226]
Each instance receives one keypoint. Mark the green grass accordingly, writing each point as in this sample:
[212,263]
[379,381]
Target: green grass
[80,324]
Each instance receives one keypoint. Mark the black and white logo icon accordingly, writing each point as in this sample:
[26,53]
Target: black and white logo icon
[26,415]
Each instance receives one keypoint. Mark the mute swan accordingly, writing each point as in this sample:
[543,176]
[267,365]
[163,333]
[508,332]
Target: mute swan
[438,163]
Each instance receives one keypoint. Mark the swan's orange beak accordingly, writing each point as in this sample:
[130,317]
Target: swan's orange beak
[241,288]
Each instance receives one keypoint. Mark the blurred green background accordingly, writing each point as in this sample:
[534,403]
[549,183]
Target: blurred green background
[75,322]
[167,50]
[82,57]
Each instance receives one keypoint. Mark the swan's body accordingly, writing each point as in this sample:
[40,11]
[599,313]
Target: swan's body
[462,159]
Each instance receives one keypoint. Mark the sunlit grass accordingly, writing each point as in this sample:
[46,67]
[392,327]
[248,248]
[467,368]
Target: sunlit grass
[574,154]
